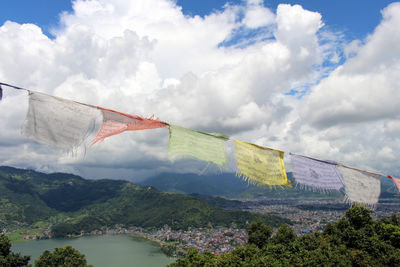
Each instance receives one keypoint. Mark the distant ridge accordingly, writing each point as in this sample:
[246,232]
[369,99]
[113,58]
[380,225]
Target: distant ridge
[228,185]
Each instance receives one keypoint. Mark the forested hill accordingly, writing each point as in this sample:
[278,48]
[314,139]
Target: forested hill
[228,185]
[30,197]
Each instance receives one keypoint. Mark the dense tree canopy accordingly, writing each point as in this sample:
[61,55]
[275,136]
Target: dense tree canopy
[67,256]
[259,233]
[355,240]
[8,258]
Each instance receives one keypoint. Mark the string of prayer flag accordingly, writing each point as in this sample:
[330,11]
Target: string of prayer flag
[209,147]
[67,124]
[360,186]
[316,174]
[260,165]
[58,122]
[115,122]
[9,85]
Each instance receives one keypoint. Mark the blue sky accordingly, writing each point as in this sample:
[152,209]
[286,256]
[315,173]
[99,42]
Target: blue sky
[44,13]
[356,18]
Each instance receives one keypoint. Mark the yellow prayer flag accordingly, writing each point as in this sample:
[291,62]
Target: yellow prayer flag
[209,147]
[260,165]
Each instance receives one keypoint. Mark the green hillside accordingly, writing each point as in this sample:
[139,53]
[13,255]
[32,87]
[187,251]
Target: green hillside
[72,204]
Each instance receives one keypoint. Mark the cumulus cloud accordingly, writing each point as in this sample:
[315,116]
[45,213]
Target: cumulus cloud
[364,88]
[146,57]
[257,15]
[360,99]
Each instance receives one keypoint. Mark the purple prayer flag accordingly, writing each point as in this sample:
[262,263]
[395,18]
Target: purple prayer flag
[316,174]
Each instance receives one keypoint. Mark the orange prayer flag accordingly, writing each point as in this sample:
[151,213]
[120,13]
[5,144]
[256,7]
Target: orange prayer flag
[115,122]
[396,181]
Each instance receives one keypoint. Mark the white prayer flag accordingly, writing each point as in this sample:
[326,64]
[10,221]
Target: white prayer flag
[316,174]
[58,122]
[360,186]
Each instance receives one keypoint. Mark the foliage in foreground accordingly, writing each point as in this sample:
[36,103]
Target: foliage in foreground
[67,256]
[8,258]
[355,240]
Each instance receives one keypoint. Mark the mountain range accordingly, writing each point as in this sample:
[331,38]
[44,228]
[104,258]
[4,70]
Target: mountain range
[71,204]
[229,186]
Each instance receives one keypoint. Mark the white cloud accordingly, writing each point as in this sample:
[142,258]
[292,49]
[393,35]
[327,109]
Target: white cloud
[386,153]
[355,109]
[145,57]
[365,87]
[176,35]
[257,15]
[255,2]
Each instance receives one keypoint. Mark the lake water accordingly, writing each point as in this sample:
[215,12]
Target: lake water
[101,251]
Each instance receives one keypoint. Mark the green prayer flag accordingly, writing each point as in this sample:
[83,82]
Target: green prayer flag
[209,147]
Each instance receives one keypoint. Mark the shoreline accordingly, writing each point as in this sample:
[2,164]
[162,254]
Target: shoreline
[144,238]
[162,245]
[174,243]
[133,236]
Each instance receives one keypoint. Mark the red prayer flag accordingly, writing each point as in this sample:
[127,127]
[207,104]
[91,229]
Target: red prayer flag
[115,122]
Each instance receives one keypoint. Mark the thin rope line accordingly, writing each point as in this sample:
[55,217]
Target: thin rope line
[369,172]
[63,99]
[339,164]
[13,86]
[319,160]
